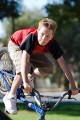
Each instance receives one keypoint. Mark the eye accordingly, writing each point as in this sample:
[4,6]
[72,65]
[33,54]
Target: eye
[47,36]
[42,34]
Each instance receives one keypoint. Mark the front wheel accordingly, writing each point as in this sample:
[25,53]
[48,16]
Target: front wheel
[6,65]
[3,87]
[5,61]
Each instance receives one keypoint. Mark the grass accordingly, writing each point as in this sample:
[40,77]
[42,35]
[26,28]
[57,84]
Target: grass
[62,112]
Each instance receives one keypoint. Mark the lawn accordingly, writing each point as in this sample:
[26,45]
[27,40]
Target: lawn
[62,112]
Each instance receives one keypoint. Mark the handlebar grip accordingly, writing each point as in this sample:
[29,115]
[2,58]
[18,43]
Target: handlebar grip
[34,91]
[70,92]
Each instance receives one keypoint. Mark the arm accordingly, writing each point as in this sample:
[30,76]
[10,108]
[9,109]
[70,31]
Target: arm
[24,71]
[63,65]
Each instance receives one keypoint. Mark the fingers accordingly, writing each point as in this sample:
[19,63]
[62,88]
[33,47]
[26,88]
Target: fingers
[74,92]
[27,88]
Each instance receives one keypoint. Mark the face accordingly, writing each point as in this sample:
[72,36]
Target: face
[44,36]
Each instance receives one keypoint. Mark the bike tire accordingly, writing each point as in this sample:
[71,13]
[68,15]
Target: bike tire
[5,61]
[3,87]
[6,65]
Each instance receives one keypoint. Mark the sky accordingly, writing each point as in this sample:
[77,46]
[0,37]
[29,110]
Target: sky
[31,4]
[2,32]
[35,3]
[38,3]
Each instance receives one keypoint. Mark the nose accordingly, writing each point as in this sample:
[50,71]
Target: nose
[43,37]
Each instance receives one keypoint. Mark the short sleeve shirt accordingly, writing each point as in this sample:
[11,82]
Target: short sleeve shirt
[19,36]
[30,45]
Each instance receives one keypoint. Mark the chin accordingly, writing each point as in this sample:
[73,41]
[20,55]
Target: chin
[42,44]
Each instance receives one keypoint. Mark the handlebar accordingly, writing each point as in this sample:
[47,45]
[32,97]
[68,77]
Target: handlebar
[46,104]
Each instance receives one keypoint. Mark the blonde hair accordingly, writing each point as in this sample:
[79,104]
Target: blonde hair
[49,23]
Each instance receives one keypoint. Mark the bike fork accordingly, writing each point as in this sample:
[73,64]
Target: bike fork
[42,116]
[35,108]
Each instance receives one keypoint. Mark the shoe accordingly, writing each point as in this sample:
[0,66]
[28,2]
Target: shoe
[31,80]
[10,104]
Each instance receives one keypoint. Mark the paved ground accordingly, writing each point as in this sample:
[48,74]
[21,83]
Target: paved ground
[77,97]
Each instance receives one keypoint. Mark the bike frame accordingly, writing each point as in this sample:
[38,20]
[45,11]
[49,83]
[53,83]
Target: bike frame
[22,98]
[40,109]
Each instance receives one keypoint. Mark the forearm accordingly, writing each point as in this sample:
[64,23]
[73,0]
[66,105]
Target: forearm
[24,74]
[69,76]
[67,72]
[24,71]
[24,67]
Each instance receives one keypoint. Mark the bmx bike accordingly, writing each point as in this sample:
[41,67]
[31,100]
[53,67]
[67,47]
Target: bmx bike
[6,78]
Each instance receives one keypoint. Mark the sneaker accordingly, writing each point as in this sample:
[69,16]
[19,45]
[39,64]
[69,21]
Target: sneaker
[10,104]
[31,80]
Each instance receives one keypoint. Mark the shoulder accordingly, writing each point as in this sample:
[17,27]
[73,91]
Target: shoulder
[54,42]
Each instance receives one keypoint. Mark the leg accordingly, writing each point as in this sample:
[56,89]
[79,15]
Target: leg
[16,83]
[42,64]
[15,54]
[10,98]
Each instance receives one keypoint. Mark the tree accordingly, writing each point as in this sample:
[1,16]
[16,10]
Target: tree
[10,9]
[28,18]
[67,16]
[74,7]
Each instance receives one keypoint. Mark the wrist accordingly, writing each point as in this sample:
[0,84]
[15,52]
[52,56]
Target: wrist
[25,84]
[73,87]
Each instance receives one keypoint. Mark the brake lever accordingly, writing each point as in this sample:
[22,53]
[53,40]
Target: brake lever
[36,96]
[69,94]
[33,92]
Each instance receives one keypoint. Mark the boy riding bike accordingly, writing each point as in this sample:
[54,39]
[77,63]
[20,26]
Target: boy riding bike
[28,49]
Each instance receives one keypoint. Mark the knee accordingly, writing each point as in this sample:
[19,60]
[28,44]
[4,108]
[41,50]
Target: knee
[47,70]
[50,69]
[18,74]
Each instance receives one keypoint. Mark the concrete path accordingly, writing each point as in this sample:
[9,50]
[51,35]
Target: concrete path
[77,97]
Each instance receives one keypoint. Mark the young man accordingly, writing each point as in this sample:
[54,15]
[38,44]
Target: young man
[28,48]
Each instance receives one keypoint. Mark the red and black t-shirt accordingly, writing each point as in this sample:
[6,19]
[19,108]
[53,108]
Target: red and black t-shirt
[19,36]
[27,40]
[31,46]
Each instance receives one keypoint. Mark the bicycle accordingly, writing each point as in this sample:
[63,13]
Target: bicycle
[41,107]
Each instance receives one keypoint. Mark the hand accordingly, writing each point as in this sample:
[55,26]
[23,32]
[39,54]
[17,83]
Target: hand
[27,88]
[74,91]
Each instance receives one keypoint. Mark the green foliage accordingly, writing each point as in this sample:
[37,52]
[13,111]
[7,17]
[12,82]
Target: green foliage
[27,19]
[74,7]
[70,41]
[67,16]
[72,112]
[10,8]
